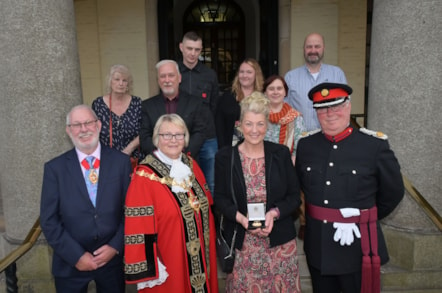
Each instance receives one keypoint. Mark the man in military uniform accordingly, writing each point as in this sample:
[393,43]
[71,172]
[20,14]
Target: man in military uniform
[351,179]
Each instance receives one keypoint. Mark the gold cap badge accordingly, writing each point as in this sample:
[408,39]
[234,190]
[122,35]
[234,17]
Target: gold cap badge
[325,92]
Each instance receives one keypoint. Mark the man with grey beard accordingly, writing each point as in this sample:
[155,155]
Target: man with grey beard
[172,100]
[82,208]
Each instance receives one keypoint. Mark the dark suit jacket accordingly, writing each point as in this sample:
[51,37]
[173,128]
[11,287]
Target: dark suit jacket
[189,108]
[282,190]
[68,219]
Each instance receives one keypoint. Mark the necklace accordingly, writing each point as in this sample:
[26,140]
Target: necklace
[255,165]
[185,184]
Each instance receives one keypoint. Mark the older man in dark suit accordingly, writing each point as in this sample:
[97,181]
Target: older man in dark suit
[172,101]
[82,208]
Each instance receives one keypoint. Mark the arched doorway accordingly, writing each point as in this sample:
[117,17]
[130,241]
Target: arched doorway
[231,31]
[221,26]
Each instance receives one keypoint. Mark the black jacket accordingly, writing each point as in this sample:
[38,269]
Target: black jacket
[227,113]
[360,172]
[189,108]
[202,82]
[281,185]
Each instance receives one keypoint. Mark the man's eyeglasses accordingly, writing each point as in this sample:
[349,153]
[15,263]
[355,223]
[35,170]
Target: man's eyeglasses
[333,109]
[87,124]
[169,136]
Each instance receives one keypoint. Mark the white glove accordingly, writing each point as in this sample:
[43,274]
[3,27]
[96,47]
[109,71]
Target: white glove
[344,233]
[349,212]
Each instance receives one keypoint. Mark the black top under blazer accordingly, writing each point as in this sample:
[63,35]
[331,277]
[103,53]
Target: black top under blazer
[281,185]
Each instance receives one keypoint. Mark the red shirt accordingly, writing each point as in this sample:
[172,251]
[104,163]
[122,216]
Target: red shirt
[171,105]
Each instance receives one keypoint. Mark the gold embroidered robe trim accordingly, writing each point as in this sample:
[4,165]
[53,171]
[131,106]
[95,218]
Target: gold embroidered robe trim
[190,217]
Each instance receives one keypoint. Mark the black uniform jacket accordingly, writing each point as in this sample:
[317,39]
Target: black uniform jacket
[360,172]
[189,108]
[281,186]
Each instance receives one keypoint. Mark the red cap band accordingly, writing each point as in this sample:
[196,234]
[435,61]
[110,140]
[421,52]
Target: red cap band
[329,94]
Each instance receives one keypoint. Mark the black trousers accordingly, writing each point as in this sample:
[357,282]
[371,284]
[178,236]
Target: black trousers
[348,283]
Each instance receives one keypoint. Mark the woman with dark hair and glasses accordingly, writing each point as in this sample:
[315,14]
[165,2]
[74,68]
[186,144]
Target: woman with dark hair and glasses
[169,226]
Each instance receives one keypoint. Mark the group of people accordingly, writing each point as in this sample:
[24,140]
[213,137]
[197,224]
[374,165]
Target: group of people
[170,161]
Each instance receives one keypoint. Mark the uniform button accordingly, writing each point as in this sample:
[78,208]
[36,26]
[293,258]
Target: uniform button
[95,216]
[331,164]
[309,169]
[354,172]
[325,221]
[335,147]
[326,201]
[327,182]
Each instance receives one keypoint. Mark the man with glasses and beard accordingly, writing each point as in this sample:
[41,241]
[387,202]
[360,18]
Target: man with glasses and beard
[82,208]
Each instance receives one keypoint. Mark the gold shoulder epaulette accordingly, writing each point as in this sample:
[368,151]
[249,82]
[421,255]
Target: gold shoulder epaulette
[308,133]
[376,134]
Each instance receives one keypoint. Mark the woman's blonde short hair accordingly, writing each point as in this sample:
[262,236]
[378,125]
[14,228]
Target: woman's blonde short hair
[125,72]
[256,103]
[174,119]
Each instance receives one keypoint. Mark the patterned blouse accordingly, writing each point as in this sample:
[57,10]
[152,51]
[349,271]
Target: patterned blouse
[259,267]
[124,128]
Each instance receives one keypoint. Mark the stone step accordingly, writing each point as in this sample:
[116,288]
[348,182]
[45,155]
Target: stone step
[413,291]
[306,282]
[395,279]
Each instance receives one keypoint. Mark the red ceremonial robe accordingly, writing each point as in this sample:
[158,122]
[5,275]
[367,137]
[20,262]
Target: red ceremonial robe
[160,223]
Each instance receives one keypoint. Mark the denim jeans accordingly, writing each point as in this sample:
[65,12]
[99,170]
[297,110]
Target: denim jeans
[207,161]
